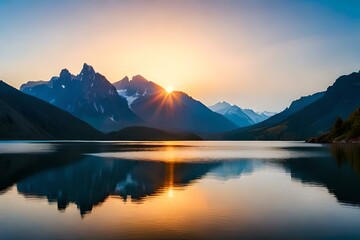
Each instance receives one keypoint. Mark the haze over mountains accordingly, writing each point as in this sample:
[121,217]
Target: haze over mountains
[88,96]
[308,116]
[136,87]
[140,103]
[92,98]
[175,110]
[24,117]
[241,117]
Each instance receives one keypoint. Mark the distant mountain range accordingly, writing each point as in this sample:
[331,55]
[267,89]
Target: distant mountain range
[92,98]
[172,111]
[88,96]
[308,116]
[147,111]
[26,117]
[241,117]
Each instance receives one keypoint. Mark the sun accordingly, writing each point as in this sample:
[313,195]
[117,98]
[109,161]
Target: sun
[169,89]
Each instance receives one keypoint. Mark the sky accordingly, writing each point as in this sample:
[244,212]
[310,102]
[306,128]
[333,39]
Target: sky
[256,54]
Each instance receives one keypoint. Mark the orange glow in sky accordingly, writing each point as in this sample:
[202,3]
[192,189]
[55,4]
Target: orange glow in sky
[169,89]
[259,56]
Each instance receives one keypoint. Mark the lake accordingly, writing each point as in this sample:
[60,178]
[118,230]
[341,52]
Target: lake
[179,190]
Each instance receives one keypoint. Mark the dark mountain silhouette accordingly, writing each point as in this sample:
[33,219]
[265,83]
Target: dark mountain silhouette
[88,96]
[31,84]
[26,117]
[294,107]
[17,165]
[90,181]
[150,134]
[316,118]
[233,113]
[341,175]
[171,111]
[348,131]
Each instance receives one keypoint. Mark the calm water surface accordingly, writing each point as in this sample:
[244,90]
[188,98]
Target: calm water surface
[179,190]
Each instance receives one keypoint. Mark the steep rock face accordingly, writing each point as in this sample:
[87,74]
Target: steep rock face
[172,111]
[88,96]
[26,117]
[316,118]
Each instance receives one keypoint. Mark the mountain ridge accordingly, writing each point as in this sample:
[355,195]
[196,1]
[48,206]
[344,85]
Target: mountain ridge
[316,118]
[175,111]
[25,117]
[88,96]
[233,113]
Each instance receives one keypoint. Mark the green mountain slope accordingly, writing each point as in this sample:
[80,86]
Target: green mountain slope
[348,131]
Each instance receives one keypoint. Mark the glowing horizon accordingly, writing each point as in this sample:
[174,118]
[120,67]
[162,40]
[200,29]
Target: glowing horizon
[169,89]
[254,54]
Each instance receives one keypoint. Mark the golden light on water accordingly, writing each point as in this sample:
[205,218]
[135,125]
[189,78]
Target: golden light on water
[169,177]
[171,192]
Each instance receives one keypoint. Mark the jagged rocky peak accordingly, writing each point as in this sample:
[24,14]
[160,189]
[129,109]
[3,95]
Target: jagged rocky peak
[65,73]
[62,81]
[87,69]
[125,79]
[87,72]
[122,84]
[88,96]
[137,86]
[139,79]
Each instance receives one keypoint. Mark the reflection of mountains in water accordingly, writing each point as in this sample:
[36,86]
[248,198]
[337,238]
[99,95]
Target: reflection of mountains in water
[68,177]
[233,169]
[340,176]
[90,181]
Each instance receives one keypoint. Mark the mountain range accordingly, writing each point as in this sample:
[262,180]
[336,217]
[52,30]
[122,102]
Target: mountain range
[172,111]
[241,117]
[24,117]
[88,96]
[88,106]
[87,180]
[308,116]
[107,107]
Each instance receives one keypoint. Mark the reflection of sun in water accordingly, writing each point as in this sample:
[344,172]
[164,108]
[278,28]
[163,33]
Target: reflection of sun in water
[171,192]
[169,89]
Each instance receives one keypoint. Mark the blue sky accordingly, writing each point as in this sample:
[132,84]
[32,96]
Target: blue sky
[257,54]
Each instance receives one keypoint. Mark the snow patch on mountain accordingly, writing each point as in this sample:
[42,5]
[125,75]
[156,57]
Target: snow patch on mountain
[129,99]
[242,117]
